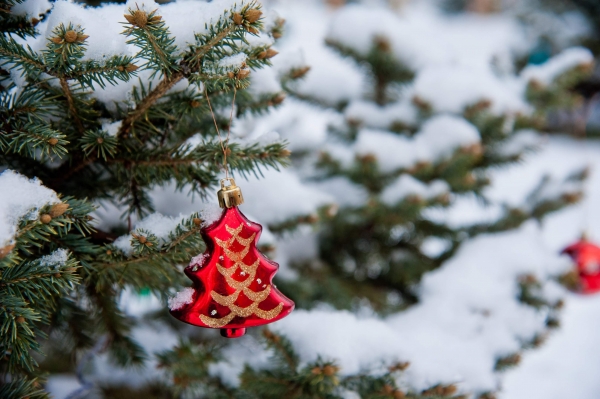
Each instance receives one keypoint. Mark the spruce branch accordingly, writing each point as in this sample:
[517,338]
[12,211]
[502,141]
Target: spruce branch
[33,140]
[153,38]
[142,107]
[20,56]
[112,71]
[224,30]
[100,142]
[71,104]
[65,49]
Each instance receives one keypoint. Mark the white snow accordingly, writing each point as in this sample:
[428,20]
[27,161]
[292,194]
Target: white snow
[331,79]
[557,65]
[434,246]
[451,88]
[423,36]
[56,259]
[465,210]
[32,8]
[567,366]
[280,195]
[345,192]
[441,135]
[406,185]
[20,198]
[381,117]
[521,141]
[181,298]
[112,128]
[302,125]
[233,61]
[210,213]
[438,138]
[198,260]
[264,81]
[104,24]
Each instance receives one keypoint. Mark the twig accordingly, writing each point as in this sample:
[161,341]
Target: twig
[65,87]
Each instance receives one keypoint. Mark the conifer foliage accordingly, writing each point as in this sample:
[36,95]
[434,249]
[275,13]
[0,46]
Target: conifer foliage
[84,124]
[60,275]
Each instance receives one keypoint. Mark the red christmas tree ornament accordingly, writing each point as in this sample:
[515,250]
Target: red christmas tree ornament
[587,260]
[232,280]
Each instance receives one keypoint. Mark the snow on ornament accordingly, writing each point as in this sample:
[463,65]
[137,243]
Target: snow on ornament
[587,260]
[226,292]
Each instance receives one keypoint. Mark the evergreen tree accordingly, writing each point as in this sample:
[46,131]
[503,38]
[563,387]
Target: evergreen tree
[378,243]
[60,274]
[97,129]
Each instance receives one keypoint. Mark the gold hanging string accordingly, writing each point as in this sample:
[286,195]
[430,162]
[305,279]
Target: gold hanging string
[224,145]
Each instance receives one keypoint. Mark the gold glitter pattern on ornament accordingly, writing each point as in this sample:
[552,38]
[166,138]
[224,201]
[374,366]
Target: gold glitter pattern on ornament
[240,286]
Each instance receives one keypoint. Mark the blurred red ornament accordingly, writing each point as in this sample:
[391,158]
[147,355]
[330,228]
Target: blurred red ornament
[587,259]
[232,280]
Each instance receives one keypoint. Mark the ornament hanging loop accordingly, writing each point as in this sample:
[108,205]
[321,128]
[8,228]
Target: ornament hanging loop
[231,195]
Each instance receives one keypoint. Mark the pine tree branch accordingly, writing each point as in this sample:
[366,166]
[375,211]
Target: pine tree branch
[169,81]
[166,249]
[72,109]
[17,54]
[160,90]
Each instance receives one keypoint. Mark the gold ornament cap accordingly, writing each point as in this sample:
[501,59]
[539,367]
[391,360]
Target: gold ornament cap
[229,196]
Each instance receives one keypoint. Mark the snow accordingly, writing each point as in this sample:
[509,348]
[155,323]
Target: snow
[62,385]
[112,128]
[56,259]
[438,138]
[381,117]
[210,213]
[407,185]
[20,198]
[198,260]
[391,150]
[104,24]
[181,298]
[290,197]
[441,135]
[264,81]
[520,142]
[465,210]
[557,65]
[434,246]
[302,125]
[451,88]
[32,8]
[331,79]
[135,304]
[233,61]
[345,192]
[567,365]
[423,36]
